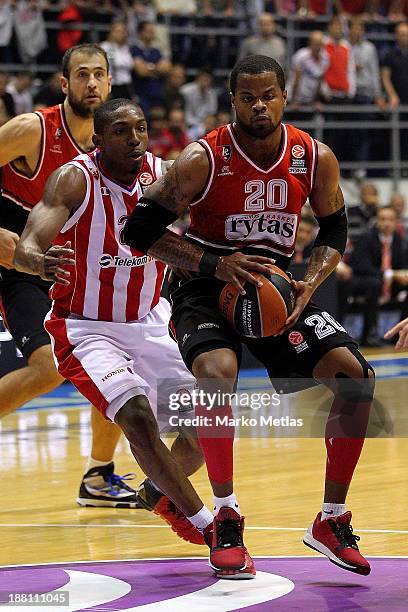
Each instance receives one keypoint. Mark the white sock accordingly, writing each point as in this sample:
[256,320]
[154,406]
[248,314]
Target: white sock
[332,510]
[202,519]
[93,463]
[230,501]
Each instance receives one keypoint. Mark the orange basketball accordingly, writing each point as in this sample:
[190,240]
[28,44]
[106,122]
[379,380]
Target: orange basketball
[262,311]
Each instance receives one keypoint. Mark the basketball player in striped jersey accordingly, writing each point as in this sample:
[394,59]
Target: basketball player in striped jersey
[32,146]
[108,323]
[245,185]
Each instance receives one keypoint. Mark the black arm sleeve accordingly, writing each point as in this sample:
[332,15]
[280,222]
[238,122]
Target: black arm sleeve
[333,231]
[147,223]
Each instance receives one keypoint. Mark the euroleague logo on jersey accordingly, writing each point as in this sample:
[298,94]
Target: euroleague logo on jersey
[298,151]
[145,178]
[297,164]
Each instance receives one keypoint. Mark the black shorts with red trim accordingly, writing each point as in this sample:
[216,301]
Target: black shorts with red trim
[199,327]
[24,304]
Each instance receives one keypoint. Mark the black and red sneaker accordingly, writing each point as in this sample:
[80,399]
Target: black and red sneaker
[334,538]
[227,549]
[151,499]
[246,573]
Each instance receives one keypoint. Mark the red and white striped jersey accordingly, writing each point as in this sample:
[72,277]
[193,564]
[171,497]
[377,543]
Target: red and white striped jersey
[111,281]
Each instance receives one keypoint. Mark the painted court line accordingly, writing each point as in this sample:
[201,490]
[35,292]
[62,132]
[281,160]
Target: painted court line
[87,562]
[133,526]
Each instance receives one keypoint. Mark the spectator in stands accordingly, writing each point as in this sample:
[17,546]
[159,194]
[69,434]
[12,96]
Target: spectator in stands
[158,142]
[50,94]
[397,9]
[200,99]
[120,60]
[338,85]
[143,10]
[394,70]
[305,239]
[150,67]
[6,32]
[365,8]
[340,77]
[209,7]
[311,8]
[309,64]
[176,134]
[368,91]
[394,74]
[368,84]
[380,271]
[360,217]
[29,27]
[20,89]
[397,202]
[173,98]
[285,7]
[69,36]
[6,98]
[266,42]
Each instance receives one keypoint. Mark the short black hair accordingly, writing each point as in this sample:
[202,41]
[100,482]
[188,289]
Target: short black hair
[256,64]
[104,113]
[142,24]
[89,49]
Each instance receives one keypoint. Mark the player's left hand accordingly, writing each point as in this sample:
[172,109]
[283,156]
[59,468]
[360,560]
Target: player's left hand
[400,328]
[304,292]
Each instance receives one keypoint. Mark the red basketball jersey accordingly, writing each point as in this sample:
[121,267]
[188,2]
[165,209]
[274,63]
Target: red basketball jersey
[111,281]
[57,148]
[247,207]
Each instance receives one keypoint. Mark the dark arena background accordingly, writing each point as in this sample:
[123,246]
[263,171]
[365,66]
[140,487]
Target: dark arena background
[346,67]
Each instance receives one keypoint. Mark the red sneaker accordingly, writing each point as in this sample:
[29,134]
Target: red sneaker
[246,573]
[227,548]
[178,521]
[334,538]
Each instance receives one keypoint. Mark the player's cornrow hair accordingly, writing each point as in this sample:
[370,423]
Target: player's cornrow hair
[88,48]
[256,64]
[103,114]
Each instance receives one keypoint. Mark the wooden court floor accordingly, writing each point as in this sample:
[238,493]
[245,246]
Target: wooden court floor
[278,482]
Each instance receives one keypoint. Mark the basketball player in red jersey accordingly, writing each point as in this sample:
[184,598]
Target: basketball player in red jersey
[245,185]
[32,146]
[108,323]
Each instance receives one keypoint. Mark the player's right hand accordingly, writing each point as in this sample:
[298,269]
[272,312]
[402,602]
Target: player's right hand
[54,262]
[237,267]
[8,243]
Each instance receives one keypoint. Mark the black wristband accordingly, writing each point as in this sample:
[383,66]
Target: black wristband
[208,263]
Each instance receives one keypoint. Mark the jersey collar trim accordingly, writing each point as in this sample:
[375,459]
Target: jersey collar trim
[249,160]
[129,188]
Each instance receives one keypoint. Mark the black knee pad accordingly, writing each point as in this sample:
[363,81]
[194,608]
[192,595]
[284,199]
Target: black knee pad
[357,390]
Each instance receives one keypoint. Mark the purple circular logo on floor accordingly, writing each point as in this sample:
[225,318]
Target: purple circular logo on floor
[186,585]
